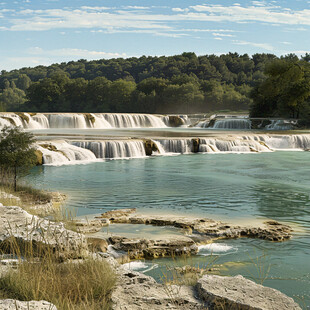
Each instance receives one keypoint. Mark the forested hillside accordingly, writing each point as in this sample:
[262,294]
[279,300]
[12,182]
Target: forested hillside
[177,84]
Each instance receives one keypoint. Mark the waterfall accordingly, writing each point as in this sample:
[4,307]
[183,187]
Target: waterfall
[100,122]
[60,153]
[114,149]
[4,122]
[279,125]
[179,146]
[237,123]
[84,121]
[202,124]
[42,120]
[67,121]
[135,120]
[283,142]
[236,145]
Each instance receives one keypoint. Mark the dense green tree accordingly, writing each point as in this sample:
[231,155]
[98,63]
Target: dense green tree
[17,154]
[285,92]
[150,84]
[12,99]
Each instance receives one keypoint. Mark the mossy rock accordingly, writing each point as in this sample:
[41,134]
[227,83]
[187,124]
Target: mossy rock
[11,120]
[256,124]
[150,147]
[39,155]
[49,147]
[176,121]
[211,123]
[196,143]
[23,116]
[89,118]
[32,114]
[265,123]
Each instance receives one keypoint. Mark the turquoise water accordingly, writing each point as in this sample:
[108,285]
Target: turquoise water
[232,187]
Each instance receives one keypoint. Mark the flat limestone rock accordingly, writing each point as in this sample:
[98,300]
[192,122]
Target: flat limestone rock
[136,291]
[154,248]
[269,230]
[12,304]
[24,227]
[241,294]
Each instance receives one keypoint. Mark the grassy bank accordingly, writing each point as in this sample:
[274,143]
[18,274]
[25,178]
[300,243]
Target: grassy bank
[79,285]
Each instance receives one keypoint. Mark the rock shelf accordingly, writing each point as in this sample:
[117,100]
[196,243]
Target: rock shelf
[17,225]
[207,228]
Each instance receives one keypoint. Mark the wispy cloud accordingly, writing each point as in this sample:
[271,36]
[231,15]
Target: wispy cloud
[143,17]
[73,52]
[264,46]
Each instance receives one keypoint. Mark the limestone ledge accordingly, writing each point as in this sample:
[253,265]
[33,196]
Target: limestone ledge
[208,229]
[17,225]
[12,304]
[136,291]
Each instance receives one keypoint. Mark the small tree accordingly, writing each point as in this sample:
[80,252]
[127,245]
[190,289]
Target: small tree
[17,154]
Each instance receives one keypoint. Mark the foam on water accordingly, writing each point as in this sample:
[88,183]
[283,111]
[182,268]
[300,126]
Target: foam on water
[215,248]
[139,266]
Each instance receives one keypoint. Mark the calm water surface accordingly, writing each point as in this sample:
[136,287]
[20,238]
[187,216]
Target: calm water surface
[232,187]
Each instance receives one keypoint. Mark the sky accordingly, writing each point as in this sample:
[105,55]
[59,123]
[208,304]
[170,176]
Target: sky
[42,32]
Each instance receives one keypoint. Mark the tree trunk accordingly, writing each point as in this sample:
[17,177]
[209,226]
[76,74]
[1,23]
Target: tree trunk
[15,179]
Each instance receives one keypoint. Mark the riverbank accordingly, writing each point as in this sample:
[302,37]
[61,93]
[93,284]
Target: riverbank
[20,231]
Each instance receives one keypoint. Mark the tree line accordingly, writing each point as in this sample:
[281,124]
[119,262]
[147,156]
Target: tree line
[184,83]
[285,92]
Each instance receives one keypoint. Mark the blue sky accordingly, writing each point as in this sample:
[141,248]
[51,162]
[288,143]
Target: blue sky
[42,32]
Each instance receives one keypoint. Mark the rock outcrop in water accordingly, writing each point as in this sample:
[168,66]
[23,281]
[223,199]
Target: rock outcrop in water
[137,248]
[207,229]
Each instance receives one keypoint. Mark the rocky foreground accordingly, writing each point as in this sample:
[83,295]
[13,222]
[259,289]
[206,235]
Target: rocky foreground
[136,291]
[194,231]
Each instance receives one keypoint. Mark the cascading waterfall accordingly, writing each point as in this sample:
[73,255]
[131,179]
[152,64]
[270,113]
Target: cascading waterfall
[60,153]
[237,145]
[114,148]
[279,125]
[84,121]
[283,142]
[203,124]
[179,146]
[67,121]
[237,123]
[134,120]
[42,120]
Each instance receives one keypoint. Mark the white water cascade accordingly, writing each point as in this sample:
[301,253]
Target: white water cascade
[179,146]
[236,145]
[282,142]
[114,149]
[42,120]
[237,123]
[279,125]
[67,121]
[134,120]
[84,121]
[61,152]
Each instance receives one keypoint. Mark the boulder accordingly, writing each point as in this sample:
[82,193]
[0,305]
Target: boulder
[176,121]
[39,155]
[150,147]
[238,293]
[196,143]
[136,291]
[19,228]
[97,245]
